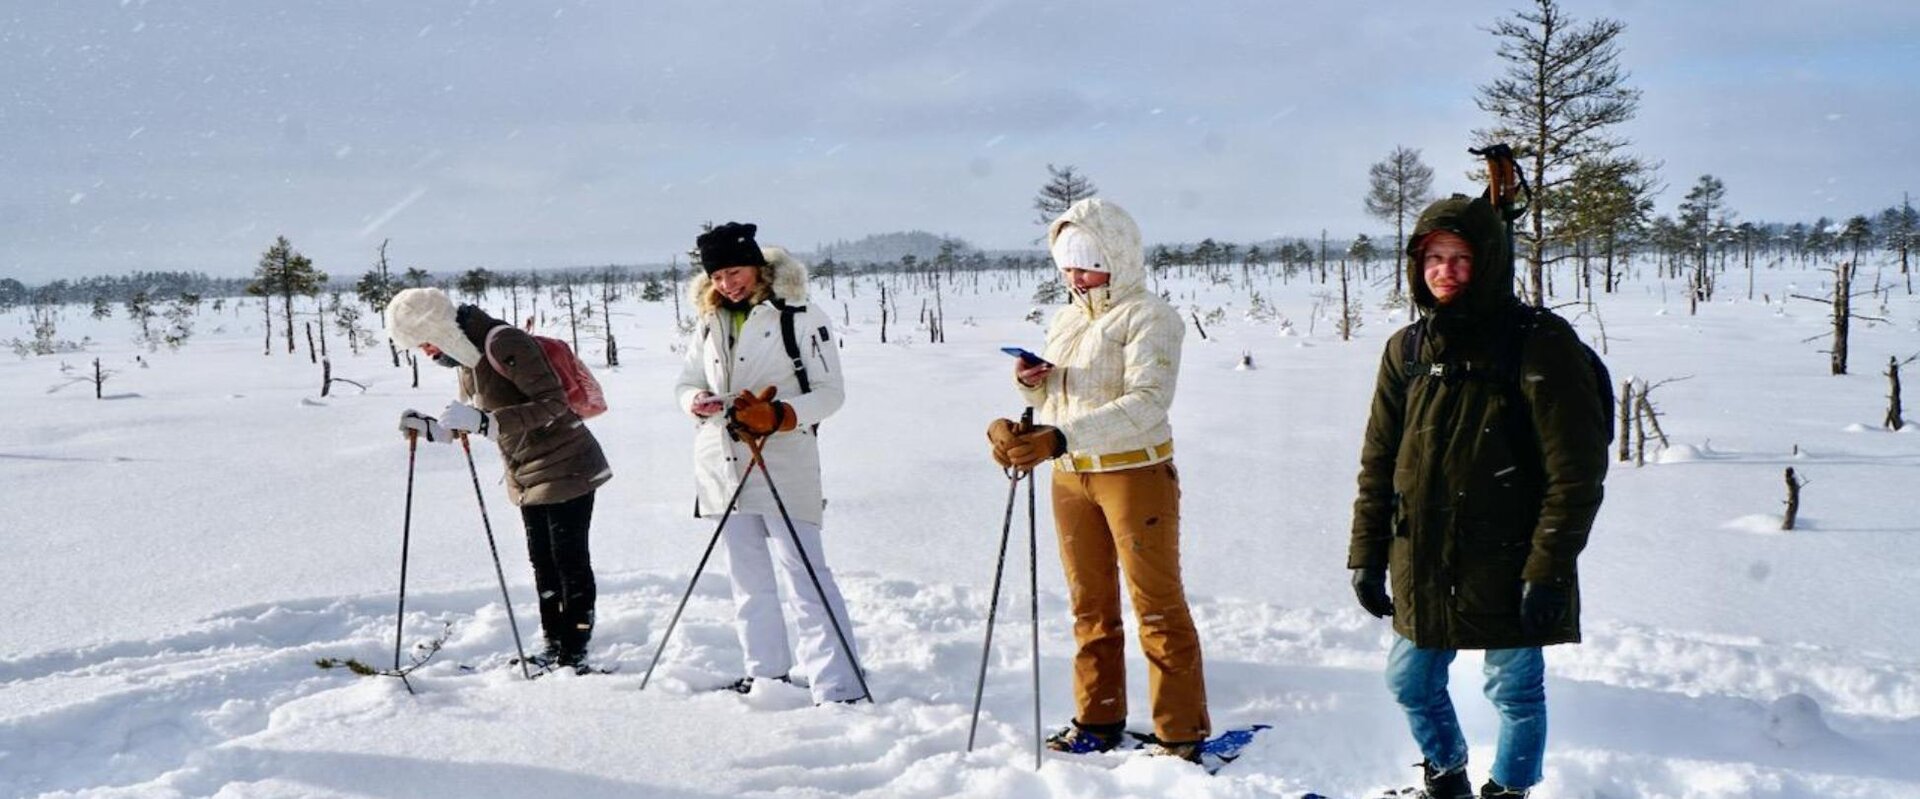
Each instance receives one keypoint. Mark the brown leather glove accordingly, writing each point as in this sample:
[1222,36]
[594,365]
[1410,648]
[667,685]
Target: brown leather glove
[760,416]
[1024,449]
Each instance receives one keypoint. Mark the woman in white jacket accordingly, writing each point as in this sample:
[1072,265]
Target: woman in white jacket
[739,357]
[1102,395]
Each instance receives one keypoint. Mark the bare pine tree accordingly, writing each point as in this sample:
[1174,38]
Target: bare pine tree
[1702,213]
[1562,92]
[1398,188]
[1062,190]
[285,272]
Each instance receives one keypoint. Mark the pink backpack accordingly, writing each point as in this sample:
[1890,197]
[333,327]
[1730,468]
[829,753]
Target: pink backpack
[584,396]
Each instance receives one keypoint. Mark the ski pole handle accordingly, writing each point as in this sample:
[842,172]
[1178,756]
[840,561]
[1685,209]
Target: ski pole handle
[1026,420]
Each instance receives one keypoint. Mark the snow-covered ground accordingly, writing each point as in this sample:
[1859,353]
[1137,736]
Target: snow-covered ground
[179,554]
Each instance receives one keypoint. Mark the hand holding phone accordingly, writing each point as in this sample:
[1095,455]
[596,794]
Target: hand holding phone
[708,405]
[1027,359]
[1031,369]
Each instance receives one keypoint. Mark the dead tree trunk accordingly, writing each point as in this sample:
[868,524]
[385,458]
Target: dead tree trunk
[312,356]
[1626,418]
[100,379]
[1842,313]
[883,313]
[1895,415]
[1196,324]
[327,379]
[1793,499]
[1653,419]
[1640,439]
[1346,305]
[939,315]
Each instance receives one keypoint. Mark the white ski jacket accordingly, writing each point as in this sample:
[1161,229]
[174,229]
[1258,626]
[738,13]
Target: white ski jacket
[723,364]
[1116,355]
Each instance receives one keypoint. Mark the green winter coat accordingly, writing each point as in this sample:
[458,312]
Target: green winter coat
[1470,486]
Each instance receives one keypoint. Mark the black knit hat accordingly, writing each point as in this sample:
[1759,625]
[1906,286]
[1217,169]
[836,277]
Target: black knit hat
[728,245]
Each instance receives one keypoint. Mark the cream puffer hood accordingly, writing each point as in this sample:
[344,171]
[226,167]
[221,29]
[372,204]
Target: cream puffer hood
[1115,351]
[784,274]
[426,316]
[1120,250]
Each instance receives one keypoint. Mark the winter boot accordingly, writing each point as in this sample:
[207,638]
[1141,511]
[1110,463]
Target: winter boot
[572,657]
[1080,739]
[1445,784]
[1185,750]
[744,685]
[546,658]
[1494,790]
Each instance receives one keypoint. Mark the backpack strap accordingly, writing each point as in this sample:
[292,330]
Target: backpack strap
[1504,368]
[792,340]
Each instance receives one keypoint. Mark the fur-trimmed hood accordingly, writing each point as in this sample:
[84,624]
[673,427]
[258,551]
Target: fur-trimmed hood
[784,277]
[427,316]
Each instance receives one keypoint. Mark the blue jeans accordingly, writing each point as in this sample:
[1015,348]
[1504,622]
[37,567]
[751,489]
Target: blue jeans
[1516,684]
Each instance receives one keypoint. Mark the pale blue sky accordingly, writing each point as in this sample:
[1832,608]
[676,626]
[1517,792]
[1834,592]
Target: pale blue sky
[186,135]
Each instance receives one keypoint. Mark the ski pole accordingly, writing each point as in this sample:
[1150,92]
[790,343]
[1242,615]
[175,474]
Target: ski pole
[732,502]
[488,524]
[406,536]
[754,443]
[999,569]
[993,603]
[1033,595]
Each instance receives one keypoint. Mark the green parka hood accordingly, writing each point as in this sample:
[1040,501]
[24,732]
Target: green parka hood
[1491,286]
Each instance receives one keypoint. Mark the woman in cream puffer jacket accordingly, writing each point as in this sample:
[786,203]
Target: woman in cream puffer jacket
[1102,413]
[1116,351]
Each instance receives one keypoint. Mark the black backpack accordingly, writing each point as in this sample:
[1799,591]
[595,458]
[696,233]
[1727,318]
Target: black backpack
[1505,370]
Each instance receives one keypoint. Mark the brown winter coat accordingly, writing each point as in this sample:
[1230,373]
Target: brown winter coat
[1468,487]
[551,456]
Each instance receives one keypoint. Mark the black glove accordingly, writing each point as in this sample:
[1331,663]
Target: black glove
[1542,606]
[1370,587]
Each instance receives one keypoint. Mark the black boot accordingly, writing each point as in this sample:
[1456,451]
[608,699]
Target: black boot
[1494,790]
[572,656]
[744,685]
[1445,784]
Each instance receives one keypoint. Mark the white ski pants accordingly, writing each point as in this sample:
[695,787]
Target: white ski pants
[758,546]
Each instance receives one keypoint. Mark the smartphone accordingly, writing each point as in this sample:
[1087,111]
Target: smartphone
[1025,357]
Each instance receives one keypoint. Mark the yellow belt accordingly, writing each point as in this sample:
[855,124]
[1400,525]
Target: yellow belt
[1117,460]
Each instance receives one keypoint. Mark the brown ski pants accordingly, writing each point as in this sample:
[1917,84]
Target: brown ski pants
[1129,520]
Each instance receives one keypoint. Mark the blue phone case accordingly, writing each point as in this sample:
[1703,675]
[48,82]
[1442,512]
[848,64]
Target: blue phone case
[1025,357]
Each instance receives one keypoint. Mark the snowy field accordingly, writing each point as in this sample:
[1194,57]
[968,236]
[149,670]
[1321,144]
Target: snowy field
[179,554]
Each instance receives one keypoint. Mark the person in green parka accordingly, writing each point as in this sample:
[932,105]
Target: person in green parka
[1480,476]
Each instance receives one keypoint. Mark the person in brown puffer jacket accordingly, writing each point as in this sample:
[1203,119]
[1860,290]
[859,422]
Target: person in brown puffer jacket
[554,465]
[1480,478]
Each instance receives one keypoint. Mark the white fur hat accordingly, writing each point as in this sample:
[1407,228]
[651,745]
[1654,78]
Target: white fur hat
[1077,248]
[426,316]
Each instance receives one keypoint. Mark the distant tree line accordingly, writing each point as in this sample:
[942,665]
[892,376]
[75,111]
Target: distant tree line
[119,288]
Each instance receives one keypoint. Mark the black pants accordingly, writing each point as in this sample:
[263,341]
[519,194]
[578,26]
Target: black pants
[562,569]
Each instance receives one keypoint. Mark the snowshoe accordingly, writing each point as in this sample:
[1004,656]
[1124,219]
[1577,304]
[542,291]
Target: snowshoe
[1079,739]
